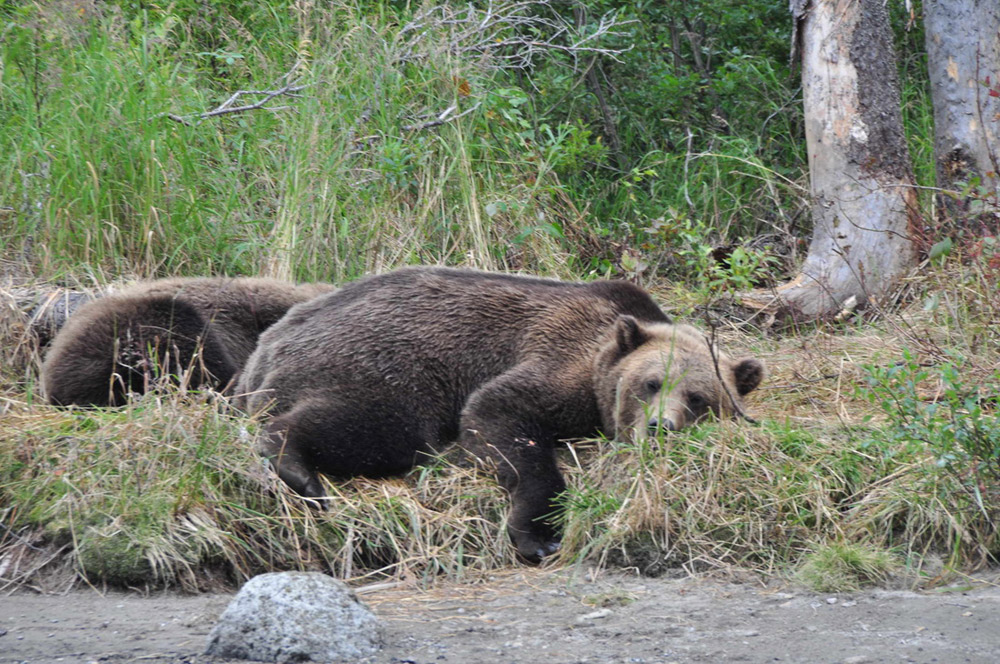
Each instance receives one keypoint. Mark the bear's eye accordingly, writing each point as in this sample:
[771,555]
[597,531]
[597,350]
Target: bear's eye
[697,401]
[653,386]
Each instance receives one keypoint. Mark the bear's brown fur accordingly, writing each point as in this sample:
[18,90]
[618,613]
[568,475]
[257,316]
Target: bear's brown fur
[371,379]
[201,328]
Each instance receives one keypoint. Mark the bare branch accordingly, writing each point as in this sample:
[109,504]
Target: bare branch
[511,34]
[291,88]
[444,116]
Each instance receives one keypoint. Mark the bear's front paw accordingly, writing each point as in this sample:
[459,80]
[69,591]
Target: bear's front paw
[532,547]
[548,548]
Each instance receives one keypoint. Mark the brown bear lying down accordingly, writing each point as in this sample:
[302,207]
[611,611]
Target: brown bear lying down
[371,379]
[201,328]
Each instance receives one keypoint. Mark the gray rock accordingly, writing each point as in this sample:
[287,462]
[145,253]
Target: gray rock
[593,615]
[295,617]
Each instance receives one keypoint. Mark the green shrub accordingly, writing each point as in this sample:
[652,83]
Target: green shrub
[935,410]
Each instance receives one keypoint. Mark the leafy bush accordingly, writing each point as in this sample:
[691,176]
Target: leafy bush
[934,410]
[946,416]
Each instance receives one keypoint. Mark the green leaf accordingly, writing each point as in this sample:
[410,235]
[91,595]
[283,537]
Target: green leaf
[941,249]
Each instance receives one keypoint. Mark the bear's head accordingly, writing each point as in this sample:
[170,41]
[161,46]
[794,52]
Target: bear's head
[650,376]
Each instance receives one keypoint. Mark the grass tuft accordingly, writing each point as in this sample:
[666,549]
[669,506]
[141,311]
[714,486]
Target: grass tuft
[836,568]
[167,491]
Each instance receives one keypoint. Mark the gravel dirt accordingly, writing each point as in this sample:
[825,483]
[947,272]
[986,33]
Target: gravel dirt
[556,617]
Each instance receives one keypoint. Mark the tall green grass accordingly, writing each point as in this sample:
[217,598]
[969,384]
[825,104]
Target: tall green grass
[96,179]
[341,181]
[97,176]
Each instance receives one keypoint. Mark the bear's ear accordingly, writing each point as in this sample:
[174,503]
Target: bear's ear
[747,374]
[629,334]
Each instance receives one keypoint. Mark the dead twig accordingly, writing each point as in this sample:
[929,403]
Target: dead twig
[291,88]
[443,117]
[712,348]
[511,33]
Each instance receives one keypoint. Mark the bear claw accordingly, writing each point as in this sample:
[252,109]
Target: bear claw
[541,551]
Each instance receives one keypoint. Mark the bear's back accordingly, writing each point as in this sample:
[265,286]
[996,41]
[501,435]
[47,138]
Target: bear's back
[239,308]
[440,297]
[228,314]
[432,330]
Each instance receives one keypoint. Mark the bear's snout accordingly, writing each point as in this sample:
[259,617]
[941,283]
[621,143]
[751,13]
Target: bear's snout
[655,424]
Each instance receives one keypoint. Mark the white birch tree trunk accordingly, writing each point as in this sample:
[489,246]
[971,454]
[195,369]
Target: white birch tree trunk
[863,205]
[963,52]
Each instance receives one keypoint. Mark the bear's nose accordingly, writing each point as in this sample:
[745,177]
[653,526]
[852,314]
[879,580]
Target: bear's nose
[654,424]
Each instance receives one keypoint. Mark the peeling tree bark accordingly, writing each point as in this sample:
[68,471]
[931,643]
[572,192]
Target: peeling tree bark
[963,52]
[864,206]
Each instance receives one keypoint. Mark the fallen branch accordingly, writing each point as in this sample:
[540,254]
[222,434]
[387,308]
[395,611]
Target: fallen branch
[290,89]
[444,116]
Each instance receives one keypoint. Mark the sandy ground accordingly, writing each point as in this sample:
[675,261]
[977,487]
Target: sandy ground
[533,616]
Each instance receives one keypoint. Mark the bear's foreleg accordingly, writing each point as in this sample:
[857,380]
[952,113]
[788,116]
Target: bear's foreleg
[507,423]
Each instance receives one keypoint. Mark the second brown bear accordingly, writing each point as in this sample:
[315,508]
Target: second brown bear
[372,379]
[203,329]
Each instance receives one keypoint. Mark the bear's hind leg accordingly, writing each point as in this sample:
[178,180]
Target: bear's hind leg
[331,434]
[281,447]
